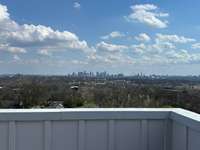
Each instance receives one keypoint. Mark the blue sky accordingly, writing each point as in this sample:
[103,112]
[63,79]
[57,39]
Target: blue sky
[126,36]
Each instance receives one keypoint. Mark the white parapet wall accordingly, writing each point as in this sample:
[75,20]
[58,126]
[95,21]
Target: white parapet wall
[99,129]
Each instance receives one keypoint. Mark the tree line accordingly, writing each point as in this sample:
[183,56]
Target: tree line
[31,91]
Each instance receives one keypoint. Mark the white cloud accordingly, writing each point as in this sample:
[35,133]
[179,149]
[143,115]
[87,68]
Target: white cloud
[16,58]
[164,49]
[196,46]
[179,56]
[106,47]
[31,36]
[111,59]
[168,57]
[11,49]
[140,48]
[143,37]
[152,48]
[107,53]
[112,35]
[17,38]
[77,5]
[173,38]
[44,52]
[4,12]
[162,46]
[148,14]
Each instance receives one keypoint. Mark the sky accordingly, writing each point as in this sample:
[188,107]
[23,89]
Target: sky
[124,36]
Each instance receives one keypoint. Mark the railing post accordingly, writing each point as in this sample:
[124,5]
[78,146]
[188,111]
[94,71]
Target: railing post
[144,135]
[12,135]
[187,138]
[47,135]
[81,135]
[111,138]
[167,134]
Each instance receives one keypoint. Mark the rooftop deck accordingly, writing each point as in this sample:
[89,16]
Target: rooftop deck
[99,129]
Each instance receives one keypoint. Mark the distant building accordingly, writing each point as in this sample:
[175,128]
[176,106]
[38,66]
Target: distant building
[74,88]
[56,104]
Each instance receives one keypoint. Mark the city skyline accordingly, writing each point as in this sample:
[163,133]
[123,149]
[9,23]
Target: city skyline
[129,37]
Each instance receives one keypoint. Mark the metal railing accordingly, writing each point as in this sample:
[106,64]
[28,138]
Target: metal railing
[99,129]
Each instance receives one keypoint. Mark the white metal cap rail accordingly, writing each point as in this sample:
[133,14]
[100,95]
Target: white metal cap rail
[99,129]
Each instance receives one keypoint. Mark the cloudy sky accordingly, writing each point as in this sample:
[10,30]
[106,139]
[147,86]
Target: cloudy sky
[124,36]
